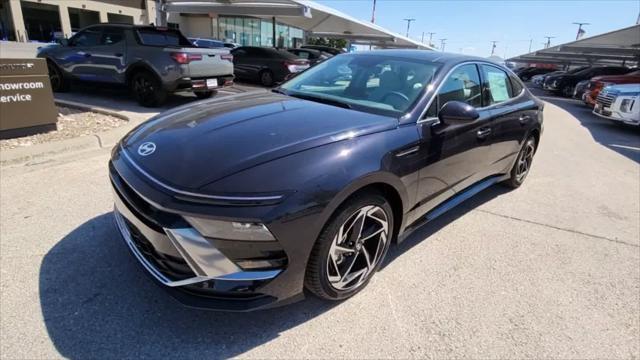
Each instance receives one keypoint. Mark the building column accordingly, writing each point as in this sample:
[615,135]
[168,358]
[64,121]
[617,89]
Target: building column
[273,32]
[104,18]
[18,20]
[65,22]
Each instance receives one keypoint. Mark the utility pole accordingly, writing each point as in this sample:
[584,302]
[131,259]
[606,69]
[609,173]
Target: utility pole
[430,38]
[493,47]
[373,13]
[580,31]
[408,24]
[442,44]
[548,43]
[530,43]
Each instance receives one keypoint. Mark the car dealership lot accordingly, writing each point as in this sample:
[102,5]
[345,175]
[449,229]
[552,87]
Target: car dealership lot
[549,270]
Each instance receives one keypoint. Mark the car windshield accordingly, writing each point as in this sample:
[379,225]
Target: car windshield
[374,83]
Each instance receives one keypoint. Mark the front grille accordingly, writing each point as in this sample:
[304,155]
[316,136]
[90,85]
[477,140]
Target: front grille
[605,99]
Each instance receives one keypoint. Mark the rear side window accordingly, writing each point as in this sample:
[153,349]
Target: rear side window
[156,37]
[516,85]
[496,86]
[112,35]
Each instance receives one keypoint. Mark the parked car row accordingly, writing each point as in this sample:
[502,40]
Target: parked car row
[154,61]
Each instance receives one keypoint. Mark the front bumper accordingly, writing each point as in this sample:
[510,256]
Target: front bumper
[197,271]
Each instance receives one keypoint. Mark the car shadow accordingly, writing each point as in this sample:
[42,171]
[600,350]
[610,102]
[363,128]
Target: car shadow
[422,233]
[621,138]
[97,301]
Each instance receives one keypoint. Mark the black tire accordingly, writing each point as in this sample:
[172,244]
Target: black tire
[147,89]
[317,277]
[58,82]
[516,175]
[266,78]
[567,91]
[204,94]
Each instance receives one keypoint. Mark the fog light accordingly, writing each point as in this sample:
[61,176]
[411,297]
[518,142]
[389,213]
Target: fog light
[627,105]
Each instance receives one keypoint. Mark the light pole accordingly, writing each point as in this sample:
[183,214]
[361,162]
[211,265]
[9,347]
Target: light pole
[442,44]
[580,31]
[408,24]
[373,13]
[530,43]
[493,47]
[548,43]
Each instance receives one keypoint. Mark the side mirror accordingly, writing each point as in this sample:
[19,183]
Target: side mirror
[64,42]
[455,112]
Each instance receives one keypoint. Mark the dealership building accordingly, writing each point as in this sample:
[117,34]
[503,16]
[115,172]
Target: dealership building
[281,23]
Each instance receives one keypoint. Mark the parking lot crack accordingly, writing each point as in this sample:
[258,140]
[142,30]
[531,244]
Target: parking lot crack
[617,241]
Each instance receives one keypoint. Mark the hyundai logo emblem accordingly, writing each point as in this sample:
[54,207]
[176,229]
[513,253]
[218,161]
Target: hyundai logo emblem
[147,148]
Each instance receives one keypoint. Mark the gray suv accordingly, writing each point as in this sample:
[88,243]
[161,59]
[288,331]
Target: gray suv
[151,61]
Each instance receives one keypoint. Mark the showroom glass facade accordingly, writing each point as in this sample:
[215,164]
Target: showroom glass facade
[257,32]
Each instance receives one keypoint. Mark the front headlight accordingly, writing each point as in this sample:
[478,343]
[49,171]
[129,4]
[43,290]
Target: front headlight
[231,230]
[627,105]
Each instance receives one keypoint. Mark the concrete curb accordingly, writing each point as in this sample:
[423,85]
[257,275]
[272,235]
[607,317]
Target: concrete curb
[95,109]
[96,141]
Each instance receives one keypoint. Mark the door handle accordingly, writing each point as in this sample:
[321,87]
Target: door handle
[118,54]
[87,55]
[524,118]
[483,132]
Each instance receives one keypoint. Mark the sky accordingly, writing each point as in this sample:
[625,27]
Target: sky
[471,25]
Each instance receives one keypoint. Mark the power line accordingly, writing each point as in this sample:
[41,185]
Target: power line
[408,24]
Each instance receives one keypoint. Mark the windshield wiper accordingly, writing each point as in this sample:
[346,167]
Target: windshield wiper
[322,100]
[279,91]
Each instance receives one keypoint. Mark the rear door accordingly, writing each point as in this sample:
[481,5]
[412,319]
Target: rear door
[512,114]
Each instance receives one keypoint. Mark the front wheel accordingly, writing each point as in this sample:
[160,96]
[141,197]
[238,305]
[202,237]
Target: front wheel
[58,82]
[266,78]
[567,91]
[523,163]
[351,248]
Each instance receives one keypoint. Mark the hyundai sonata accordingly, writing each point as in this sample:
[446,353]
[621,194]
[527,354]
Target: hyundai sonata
[245,202]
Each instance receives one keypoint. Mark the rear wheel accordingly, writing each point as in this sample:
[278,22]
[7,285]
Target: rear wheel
[147,89]
[523,163]
[351,248]
[266,78]
[204,94]
[58,82]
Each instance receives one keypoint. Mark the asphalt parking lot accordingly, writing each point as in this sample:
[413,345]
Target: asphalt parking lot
[551,270]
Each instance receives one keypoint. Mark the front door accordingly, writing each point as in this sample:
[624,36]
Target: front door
[78,61]
[107,60]
[457,154]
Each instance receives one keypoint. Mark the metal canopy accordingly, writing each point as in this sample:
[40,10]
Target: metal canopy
[316,19]
[612,48]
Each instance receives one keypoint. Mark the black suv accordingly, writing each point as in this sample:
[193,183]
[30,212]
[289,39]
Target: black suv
[152,61]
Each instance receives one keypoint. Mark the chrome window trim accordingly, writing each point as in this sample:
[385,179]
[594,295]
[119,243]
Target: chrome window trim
[435,120]
[192,194]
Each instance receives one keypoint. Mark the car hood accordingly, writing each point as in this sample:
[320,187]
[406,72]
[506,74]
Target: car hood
[203,142]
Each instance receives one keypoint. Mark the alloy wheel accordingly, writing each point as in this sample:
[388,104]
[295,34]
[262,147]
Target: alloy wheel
[357,248]
[144,88]
[524,161]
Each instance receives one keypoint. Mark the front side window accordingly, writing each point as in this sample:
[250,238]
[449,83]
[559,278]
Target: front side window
[463,84]
[373,83]
[496,85]
[88,37]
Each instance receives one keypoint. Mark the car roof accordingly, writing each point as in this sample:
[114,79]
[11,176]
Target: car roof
[427,55]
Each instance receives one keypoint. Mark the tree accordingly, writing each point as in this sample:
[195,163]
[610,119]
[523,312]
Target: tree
[334,43]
